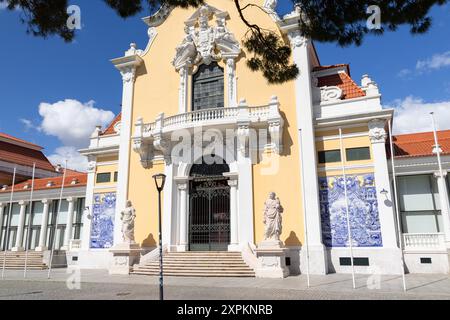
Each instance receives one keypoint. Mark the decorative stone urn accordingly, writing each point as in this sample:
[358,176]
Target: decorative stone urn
[271,252]
[127,253]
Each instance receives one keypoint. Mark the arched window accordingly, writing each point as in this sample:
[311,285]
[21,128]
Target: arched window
[208,87]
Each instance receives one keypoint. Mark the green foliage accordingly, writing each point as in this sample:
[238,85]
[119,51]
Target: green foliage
[341,21]
[271,56]
[43,17]
[344,21]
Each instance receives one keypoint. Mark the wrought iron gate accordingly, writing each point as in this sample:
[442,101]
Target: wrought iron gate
[209,216]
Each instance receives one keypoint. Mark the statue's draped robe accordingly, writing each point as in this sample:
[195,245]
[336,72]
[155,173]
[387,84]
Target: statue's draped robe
[128,217]
[273,220]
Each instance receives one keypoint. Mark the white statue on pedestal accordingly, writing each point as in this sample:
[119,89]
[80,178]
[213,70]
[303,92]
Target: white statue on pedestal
[128,215]
[272,218]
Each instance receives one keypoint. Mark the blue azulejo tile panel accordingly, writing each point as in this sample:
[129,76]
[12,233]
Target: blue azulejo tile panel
[102,225]
[363,211]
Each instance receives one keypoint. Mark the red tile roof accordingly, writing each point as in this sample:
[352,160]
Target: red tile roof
[24,156]
[14,139]
[41,184]
[110,128]
[334,66]
[420,144]
[345,83]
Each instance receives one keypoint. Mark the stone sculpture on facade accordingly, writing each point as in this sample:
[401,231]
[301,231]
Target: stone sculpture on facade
[270,252]
[128,215]
[204,43]
[273,219]
[127,253]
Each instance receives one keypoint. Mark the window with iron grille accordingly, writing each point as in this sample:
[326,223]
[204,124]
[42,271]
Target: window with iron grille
[208,87]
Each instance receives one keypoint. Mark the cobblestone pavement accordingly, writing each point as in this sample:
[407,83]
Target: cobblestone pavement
[96,284]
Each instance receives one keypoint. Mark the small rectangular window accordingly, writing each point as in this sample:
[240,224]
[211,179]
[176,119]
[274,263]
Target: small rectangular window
[103,177]
[329,156]
[357,262]
[115,176]
[425,260]
[355,154]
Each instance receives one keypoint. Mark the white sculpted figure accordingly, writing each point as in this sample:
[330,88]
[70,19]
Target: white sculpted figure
[186,51]
[225,40]
[204,39]
[128,215]
[272,218]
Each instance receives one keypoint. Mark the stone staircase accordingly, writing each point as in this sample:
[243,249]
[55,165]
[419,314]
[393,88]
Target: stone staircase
[16,260]
[198,264]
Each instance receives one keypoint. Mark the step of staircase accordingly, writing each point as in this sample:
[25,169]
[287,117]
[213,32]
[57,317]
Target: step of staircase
[17,260]
[198,264]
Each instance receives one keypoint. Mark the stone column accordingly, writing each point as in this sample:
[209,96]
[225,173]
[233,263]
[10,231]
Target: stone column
[20,229]
[443,201]
[44,224]
[305,125]
[234,241]
[184,241]
[378,135]
[183,90]
[69,223]
[87,219]
[232,83]
[127,66]
[2,210]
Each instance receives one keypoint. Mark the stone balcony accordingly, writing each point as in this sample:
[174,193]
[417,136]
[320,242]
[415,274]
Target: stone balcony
[156,136]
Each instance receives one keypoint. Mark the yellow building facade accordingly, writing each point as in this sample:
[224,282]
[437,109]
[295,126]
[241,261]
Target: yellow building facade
[225,139]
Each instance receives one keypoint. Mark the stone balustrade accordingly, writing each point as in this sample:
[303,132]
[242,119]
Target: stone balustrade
[419,241]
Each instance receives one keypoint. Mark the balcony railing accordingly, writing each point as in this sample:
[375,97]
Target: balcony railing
[215,116]
[423,241]
[156,136]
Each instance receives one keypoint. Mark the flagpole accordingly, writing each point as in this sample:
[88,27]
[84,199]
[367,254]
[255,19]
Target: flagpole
[56,222]
[304,209]
[438,151]
[396,205]
[27,241]
[8,222]
[349,231]
[441,171]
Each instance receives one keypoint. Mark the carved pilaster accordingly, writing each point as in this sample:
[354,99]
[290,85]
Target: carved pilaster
[377,132]
[276,124]
[128,74]
[296,39]
[231,74]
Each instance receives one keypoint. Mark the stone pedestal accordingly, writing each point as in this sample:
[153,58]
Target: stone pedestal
[125,255]
[272,260]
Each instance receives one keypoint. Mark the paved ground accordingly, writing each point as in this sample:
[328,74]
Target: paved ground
[97,284]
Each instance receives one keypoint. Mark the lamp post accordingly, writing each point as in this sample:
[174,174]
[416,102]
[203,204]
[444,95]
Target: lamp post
[160,180]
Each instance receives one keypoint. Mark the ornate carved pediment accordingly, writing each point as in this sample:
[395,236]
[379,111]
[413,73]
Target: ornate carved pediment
[204,43]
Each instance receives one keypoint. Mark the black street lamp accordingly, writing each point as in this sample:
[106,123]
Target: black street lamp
[160,180]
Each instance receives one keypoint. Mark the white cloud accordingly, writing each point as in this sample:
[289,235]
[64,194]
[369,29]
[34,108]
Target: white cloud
[436,62]
[75,161]
[28,124]
[413,115]
[71,121]
[404,73]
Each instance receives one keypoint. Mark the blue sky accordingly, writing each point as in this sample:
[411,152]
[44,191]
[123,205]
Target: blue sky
[412,72]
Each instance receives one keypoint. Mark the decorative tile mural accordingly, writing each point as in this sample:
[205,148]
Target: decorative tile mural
[363,211]
[102,225]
